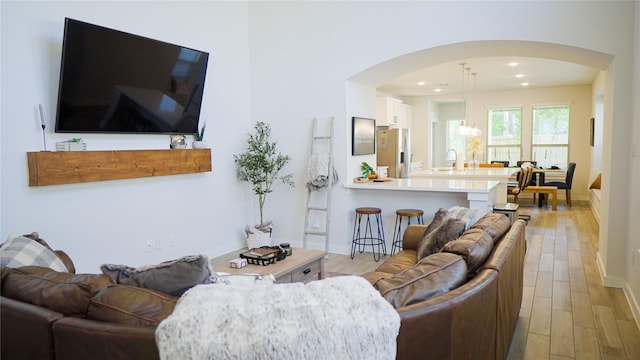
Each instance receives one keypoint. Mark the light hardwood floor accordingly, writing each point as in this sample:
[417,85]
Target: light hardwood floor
[566,312]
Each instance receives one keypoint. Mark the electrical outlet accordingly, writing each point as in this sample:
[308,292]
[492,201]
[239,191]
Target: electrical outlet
[148,245]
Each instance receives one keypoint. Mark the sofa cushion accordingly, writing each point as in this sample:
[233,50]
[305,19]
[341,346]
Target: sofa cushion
[173,277]
[63,292]
[432,242]
[20,251]
[398,262]
[474,246]
[130,305]
[432,276]
[374,276]
[495,224]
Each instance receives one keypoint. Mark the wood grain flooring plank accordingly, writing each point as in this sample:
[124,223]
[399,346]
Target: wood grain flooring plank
[561,340]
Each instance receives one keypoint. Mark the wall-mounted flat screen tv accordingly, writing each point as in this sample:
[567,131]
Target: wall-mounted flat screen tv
[115,82]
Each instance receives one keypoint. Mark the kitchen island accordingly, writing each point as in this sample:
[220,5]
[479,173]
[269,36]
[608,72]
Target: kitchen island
[426,194]
[503,175]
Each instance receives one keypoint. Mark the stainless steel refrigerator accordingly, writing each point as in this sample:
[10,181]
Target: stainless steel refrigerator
[393,149]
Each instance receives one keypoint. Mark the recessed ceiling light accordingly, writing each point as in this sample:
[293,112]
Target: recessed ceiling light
[512,64]
[438,90]
[421,83]
[520,75]
[525,84]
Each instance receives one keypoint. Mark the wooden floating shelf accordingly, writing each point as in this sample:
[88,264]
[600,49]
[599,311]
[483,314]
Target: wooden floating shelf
[70,167]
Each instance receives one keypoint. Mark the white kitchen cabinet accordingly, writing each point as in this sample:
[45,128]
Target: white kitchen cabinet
[391,111]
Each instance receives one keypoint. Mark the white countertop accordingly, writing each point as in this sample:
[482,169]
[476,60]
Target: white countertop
[429,184]
[482,173]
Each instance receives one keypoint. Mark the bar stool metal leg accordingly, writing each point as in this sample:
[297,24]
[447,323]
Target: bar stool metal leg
[360,240]
[397,235]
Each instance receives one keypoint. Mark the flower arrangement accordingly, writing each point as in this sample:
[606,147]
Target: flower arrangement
[474,146]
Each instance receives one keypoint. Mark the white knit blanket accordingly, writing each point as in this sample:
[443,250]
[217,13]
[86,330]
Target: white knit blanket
[336,318]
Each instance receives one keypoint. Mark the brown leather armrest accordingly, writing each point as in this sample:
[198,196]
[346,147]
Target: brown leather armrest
[26,330]
[66,260]
[412,236]
[77,338]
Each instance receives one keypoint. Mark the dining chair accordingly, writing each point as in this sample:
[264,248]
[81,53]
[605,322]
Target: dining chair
[566,185]
[524,178]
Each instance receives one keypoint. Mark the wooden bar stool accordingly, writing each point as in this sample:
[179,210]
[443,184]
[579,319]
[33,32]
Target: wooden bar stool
[361,239]
[397,235]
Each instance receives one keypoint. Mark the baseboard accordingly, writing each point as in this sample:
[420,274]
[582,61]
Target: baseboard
[633,304]
[617,282]
[607,280]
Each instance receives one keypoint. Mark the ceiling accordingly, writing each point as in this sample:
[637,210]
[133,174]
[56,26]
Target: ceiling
[492,74]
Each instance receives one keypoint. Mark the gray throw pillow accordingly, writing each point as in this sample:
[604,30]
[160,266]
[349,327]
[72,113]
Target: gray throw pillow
[173,277]
[433,242]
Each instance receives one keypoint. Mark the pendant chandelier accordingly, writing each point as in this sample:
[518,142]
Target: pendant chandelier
[467,130]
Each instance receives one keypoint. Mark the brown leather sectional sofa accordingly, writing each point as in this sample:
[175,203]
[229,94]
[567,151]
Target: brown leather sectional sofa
[473,320]
[50,315]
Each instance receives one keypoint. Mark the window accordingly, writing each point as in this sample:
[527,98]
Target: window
[550,135]
[504,137]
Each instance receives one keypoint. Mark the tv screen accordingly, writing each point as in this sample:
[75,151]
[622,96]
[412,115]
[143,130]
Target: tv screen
[116,82]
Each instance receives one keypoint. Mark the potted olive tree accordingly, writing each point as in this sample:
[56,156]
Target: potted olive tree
[260,166]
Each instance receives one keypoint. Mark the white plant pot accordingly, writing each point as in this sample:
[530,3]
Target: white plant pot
[258,239]
[200,144]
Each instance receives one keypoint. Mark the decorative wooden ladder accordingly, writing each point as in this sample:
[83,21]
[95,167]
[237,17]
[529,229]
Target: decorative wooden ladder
[321,203]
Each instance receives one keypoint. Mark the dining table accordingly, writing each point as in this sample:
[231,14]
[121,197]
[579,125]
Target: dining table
[540,177]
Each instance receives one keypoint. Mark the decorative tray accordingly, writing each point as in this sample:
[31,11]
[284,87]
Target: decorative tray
[265,255]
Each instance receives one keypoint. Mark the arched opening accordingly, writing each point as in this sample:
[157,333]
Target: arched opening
[361,88]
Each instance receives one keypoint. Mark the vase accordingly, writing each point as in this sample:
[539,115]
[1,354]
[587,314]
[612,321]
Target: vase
[199,144]
[258,239]
[474,165]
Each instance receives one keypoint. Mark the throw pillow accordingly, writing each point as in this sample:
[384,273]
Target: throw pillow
[20,251]
[462,213]
[171,277]
[438,219]
[596,183]
[435,240]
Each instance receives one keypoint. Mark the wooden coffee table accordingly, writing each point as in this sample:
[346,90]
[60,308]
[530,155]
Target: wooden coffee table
[301,266]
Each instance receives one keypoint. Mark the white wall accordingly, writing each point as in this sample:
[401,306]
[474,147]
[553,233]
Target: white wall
[109,222]
[632,287]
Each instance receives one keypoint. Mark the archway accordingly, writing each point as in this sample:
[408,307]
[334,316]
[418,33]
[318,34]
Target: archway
[361,89]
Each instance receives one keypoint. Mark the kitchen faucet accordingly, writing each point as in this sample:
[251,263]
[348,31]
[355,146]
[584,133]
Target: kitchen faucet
[455,155]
